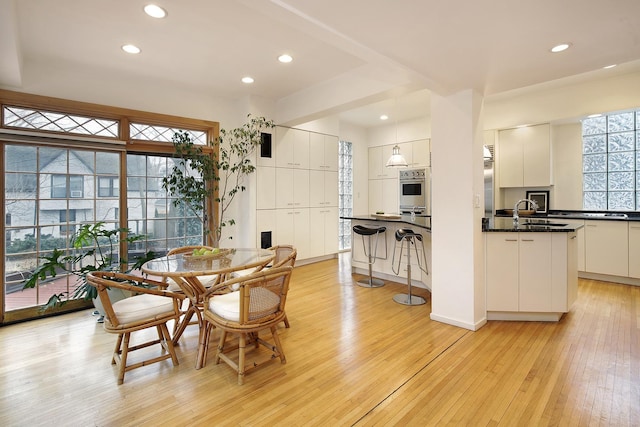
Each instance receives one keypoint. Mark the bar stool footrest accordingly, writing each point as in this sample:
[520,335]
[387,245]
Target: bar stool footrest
[406,299]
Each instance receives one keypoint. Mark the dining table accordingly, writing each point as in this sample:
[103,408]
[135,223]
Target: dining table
[186,269]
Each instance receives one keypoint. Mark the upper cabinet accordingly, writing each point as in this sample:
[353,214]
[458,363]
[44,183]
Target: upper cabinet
[378,157]
[292,148]
[323,152]
[524,156]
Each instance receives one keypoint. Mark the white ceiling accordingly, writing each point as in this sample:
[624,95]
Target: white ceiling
[365,57]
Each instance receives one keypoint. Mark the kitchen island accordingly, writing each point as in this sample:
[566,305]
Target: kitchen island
[531,268]
[382,268]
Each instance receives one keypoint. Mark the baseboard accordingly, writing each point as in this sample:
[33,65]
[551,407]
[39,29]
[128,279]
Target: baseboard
[455,322]
[608,278]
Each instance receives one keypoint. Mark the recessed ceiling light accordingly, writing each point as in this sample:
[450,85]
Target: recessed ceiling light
[247,80]
[384,117]
[610,66]
[285,58]
[129,48]
[560,47]
[155,11]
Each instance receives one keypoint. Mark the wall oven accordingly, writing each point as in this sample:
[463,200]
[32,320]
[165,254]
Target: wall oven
[415,191]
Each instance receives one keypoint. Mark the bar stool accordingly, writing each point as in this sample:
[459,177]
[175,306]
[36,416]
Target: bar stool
[407,235]
[368,232]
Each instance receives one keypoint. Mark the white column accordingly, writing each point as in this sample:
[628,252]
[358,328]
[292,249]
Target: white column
[458,288]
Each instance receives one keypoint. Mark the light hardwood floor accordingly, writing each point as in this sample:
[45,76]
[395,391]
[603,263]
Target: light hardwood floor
[354,357]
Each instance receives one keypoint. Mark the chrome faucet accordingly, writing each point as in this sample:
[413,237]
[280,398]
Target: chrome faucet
[533,204]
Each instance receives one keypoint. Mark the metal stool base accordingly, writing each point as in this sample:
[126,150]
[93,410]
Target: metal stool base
[406,299]
[370,283]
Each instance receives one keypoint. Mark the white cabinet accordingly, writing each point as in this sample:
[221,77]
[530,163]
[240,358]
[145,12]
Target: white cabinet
[606,247]
[420,153]
[292,188]
[266,187]
[383,195]
[323,189]
[323,231]
[292,227]
[634,249]
[524,156]
[502,272]
[378,157]
[323,152]
[580,252]
[292,148]
[297,198]
[531,272]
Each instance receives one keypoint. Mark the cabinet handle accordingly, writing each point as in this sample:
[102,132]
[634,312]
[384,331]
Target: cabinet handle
[510,240]
[591,225]
[528,240]
[635,227]
[573,237]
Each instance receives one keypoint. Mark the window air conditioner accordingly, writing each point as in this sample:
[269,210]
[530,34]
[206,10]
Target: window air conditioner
[76,194]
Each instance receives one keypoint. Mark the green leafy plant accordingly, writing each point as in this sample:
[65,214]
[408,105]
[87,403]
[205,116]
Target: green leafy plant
[94,249]
[199,175]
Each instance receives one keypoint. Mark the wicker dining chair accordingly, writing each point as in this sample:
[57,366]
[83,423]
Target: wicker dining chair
[150,307]
[257,304]
[285,255]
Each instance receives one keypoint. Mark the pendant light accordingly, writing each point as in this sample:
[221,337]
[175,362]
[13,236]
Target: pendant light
[396,160]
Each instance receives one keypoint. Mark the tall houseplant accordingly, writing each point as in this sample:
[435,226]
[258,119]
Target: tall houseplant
[217,172]
[94,248]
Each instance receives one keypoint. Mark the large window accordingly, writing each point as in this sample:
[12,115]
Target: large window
[62,170]
[345,177]
[611,162]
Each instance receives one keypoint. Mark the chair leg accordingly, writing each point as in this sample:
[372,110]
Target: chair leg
[183,324]
[167,343]
[276,341]
[223,338]
[123,358]
[286,322]
[241,357]
[203,346]
[117,350]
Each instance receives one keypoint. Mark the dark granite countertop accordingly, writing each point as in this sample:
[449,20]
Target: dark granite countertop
[527,224]
[573,214]
[422,221]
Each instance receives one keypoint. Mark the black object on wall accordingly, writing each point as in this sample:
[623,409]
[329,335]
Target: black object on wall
[265,144]
[265,239]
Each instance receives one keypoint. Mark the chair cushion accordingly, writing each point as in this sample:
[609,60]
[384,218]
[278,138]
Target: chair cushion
[207,282]
[141,307]
[227,306]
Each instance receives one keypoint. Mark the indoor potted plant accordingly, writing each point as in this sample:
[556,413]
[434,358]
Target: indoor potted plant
[199,175]
[93,249]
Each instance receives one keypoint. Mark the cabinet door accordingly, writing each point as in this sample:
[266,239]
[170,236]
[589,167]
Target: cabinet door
[375,162]
[607,247]
[284,188]
[510,160]
[331,189]
[535,290]
[301,232]
[266,187]
[316,189]
[292,148]
[421,152]
[300,188]
[634,249]
[331,224]
[537,157]
[376,200]
[390,192]
[316,151]
[331,146]
[501,257]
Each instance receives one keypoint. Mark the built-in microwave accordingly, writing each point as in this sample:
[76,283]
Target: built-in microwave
[414,191]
